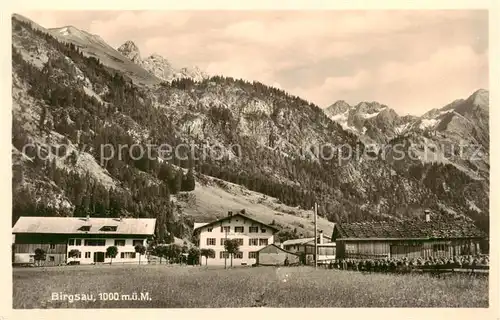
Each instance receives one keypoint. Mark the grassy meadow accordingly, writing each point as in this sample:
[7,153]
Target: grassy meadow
[214,287]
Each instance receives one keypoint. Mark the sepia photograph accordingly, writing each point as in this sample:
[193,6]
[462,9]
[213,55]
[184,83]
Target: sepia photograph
[250,159]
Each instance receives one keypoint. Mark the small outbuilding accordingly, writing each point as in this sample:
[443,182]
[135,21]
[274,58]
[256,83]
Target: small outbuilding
[272,255]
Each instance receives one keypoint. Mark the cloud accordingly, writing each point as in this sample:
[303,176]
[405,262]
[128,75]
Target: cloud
[413,87]
[396,57]
[334,86]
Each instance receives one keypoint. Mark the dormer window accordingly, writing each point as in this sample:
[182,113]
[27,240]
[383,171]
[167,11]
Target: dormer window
[84,228]
[108,228]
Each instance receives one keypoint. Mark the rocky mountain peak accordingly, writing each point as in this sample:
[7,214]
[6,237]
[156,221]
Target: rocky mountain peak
[271,126]
[130,50]
[369,107]
[338,107]
[158,65]
[480,98]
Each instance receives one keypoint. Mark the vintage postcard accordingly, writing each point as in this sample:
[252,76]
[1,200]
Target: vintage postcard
[180,159]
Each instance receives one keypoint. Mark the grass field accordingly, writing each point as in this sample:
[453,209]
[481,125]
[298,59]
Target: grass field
[199,287]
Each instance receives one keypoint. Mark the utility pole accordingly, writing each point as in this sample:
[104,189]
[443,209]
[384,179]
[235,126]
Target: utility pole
[225,253]
[316,235]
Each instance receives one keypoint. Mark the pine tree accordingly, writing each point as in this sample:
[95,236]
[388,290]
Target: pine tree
[43,116]
[189,181]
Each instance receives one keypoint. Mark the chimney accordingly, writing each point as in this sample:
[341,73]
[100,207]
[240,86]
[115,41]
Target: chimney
[87,218]
[320,236]
[427,215]
[121,218]
[229,213]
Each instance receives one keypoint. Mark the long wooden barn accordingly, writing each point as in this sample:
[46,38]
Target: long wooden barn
[412,239]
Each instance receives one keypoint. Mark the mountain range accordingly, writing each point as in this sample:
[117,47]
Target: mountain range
[276,154]
[158,65]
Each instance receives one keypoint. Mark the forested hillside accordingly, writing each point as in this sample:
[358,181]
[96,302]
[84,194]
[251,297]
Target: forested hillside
[75,109]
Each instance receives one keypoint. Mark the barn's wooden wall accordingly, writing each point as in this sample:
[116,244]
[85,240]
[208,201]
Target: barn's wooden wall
[31,247]
[411,249]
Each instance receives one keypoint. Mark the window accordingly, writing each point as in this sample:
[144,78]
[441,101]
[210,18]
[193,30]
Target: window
[84,228]
[210,241]
[263,230]
[253,242]
[252,255]
[120,242]
[87,255]
[78,242]
[253,229]
[52,246]
[51,258]
[136,242]
[238,255]
[71,242]
[223,254]
[239,229]
[127,255]
[109,228]
[225,229]
[350,247]
[209,229]
[263,242]
[79,255]
[95,242]
[222,241]
[240,241]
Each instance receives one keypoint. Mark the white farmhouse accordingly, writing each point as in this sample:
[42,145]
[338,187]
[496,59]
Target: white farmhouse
[252,234]
[57,236]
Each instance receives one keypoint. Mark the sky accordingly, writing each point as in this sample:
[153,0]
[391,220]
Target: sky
[412,61]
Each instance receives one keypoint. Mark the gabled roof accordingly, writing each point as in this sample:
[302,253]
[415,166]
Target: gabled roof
[409,229]
[199,224]
[277,248]
[244,216]
[298,241]
[73,225]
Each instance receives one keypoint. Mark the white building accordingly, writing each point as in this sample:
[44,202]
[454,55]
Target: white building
[57,236]
[252,234]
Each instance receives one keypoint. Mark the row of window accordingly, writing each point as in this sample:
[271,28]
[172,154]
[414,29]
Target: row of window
[123,255]
[237,255]
[101,242]
[251,242]
[239,229]
[351,248]
[103,228]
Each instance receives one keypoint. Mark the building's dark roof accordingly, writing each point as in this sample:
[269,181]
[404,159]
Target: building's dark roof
[198,226]
[409,229]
